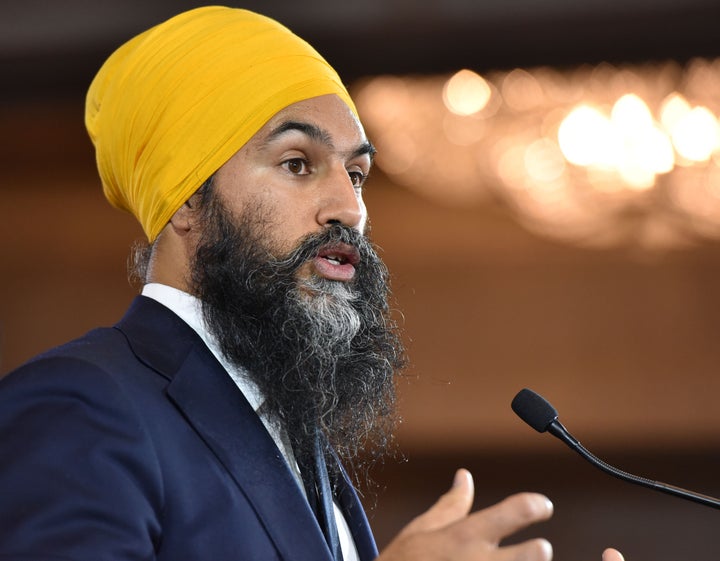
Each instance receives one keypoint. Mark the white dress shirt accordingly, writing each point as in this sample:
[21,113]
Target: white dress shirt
[188,308]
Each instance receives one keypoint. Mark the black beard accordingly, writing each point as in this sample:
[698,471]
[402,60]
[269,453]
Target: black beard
[323,353]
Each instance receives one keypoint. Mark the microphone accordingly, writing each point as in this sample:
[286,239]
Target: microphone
[540,415]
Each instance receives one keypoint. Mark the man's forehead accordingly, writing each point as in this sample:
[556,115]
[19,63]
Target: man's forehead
[326,119]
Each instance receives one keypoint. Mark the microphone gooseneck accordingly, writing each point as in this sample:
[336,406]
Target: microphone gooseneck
[540,415]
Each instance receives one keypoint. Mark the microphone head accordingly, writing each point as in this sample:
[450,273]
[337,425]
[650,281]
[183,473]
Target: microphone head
[534,410]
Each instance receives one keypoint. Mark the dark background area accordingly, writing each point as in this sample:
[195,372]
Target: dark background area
[50,48]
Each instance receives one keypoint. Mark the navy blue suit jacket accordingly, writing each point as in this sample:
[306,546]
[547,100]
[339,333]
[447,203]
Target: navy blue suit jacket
[133,443]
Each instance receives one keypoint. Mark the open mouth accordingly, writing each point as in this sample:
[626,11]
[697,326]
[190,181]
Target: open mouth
[337,262]
[340,254]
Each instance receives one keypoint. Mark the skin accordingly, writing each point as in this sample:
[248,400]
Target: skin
[449,532]
[307,165]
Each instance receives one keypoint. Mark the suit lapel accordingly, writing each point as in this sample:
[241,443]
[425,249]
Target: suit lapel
[220,414]
[352,508]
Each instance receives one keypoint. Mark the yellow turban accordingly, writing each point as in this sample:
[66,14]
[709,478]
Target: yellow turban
[172,105]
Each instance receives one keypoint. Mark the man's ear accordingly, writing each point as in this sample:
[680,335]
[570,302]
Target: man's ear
[184,219]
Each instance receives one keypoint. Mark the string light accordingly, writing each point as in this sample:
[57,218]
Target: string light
[570,152]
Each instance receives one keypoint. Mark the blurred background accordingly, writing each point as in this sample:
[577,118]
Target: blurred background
[547,196]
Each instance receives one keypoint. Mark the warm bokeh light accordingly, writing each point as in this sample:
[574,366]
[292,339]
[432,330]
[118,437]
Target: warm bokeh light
[674,107]
[628,140]
[586,137]
[598,156]
[652,151]
[544,161]
[695,135]
[466,93]
[630,115]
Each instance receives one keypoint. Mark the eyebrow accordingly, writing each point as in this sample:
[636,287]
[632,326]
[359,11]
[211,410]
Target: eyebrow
[316,134]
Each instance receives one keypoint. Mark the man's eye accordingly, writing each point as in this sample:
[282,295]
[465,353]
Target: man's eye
[296,166]
[357,178]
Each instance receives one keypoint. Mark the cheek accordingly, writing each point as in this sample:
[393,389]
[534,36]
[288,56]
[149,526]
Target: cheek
[294,217]
[290,225]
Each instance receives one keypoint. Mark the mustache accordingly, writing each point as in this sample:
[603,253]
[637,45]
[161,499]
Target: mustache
[310,246]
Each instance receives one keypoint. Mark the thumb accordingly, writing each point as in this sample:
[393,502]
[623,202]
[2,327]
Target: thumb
[611,554]
[454,505]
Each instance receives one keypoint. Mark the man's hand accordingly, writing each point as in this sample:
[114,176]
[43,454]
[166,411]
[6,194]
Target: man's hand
[447,531]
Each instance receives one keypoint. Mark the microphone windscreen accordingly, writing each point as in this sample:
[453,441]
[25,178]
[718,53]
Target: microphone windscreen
[534,410]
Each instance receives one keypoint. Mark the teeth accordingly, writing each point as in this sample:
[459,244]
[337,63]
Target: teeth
[334,259]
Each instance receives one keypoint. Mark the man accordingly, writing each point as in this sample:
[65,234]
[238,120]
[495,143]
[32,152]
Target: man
[208,422]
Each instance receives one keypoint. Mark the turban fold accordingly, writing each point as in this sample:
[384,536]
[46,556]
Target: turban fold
[173,104]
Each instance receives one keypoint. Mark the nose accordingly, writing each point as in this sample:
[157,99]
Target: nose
[341,202]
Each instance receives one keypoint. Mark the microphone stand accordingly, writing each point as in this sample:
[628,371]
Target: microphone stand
[557,429]
[537,412]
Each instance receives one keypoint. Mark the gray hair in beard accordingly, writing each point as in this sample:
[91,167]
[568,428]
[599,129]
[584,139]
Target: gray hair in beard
[332,317]
[323,353]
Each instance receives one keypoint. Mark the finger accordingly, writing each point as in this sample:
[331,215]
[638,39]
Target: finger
[532,550]
[454,505]
[510,515]
[611,554]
